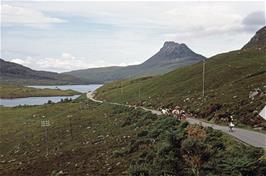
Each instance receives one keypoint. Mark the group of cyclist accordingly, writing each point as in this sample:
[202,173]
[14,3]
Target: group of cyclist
[179,113]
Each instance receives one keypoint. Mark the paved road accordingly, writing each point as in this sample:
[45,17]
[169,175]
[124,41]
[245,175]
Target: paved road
[249,137]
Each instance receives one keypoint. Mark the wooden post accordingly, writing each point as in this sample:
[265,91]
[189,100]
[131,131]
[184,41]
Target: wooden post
[203,79]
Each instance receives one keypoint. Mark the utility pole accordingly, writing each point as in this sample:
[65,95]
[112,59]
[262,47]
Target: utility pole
[203,79]
[139,93]
[70,125]
[121,92]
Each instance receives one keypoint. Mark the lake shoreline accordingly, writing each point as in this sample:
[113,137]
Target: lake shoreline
[18,97]
[12,96]
[15,91]
[35,101]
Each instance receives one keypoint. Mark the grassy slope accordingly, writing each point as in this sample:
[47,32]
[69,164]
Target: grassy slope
[109,140]
[14,91]
[229,79]
[89,152]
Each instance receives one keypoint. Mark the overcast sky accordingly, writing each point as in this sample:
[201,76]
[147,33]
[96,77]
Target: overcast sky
[64,36]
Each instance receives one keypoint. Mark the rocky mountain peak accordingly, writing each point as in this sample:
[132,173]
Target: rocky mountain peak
[171,46]
[173,52]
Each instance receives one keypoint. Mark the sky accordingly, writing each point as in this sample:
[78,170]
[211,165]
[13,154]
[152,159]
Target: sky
[62,36]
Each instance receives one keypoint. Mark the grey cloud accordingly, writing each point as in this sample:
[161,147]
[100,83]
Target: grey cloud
[253,21]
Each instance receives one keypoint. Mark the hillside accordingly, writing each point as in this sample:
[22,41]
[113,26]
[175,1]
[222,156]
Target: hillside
[171,56]
[18,74]
[86,138]
[229,81]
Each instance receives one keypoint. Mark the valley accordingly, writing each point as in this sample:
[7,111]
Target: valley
[78,97]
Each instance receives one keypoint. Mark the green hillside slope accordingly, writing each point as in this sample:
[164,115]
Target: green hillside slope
[86,138]
[229,79]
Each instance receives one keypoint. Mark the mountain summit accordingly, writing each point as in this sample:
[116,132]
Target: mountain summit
[171,56]
[173,47]
[258,40]
[173,53]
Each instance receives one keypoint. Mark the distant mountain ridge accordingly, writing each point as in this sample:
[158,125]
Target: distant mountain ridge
[171,56]
[18,74]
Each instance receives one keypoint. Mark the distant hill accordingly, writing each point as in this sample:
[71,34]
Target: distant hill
[171,56]
[235,84]
[18,74]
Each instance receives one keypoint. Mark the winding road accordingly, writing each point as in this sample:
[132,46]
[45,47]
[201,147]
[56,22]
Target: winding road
[253,138]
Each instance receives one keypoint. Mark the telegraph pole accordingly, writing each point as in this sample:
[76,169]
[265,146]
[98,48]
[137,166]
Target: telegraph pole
[203,79]
[121,92]
[139,93]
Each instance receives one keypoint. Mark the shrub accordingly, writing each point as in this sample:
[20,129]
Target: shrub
[141,143]
[195,153]
[49,102]
[119,153]
[143,133]
[196,132]
[138,170]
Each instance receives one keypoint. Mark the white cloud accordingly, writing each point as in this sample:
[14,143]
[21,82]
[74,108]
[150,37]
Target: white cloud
[174,20]
[173,16]
[20,16]
[66,62]
[121,33]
